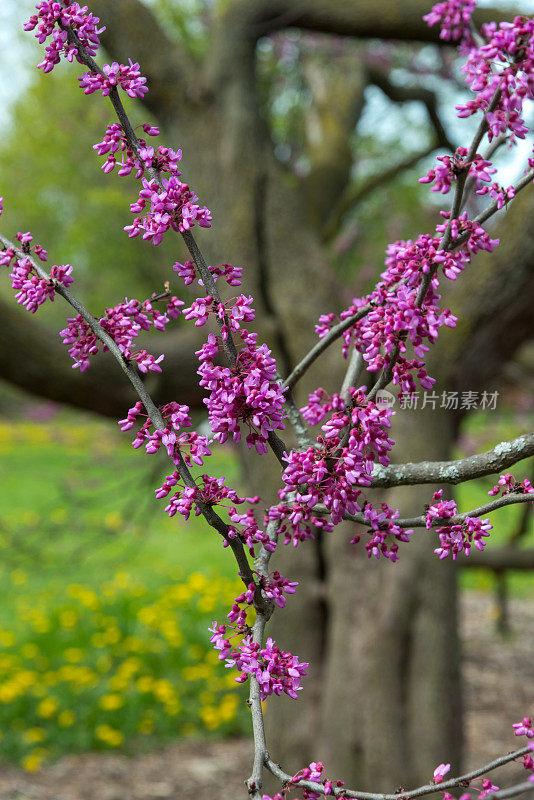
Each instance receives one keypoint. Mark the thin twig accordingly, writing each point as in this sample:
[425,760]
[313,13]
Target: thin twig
[420,521]
[333,334]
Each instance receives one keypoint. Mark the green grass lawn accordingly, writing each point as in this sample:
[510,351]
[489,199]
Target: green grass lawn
[105,601]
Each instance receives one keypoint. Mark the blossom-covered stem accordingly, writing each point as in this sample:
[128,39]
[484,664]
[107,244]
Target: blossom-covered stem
[133,143]
[484,215]
[277,445]
[446,240]
[211,517]
[114,97]
[462,178]
[420,522]
[211,287]
[333,334]
[428,788]
[502,456]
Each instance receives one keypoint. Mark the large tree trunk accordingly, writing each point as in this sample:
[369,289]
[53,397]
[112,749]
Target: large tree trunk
[382,702]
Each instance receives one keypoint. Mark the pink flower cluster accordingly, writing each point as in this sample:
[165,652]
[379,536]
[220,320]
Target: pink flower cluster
[396,317]
[319,404]
[248,393]
[503,64]
[444,175]
[454,17]
[316,773]
[275,586]
[163,159]
[456,538]
[524,728]
[173,206]
[51,20]
[332,474]
[31,289]
[127,76]
[384,532]
[188,272]
[476,237]
[487,786]
[123,322]
[507,484]
[231,313]
[171,438]
[276,671]
[249,529]
[209,491]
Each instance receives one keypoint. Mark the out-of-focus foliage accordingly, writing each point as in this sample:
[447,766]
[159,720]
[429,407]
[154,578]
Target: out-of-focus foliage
[187,22]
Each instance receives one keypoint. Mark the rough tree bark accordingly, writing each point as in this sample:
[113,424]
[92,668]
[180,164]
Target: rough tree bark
[382,639]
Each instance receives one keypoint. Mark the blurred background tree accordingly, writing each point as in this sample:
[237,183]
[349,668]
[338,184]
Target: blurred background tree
[304,127]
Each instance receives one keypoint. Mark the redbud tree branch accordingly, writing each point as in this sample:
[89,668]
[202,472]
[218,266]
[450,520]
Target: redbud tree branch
[277,445]
[446,239]
[429,788]
[333,334]
[502,456]
[420,522]
[446,244]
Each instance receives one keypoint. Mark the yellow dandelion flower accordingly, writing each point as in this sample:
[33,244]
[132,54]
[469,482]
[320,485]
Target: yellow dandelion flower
[7,638]
[47,707]
[111,635]
[29,650]
[197,581]
[34,761]
[111,702]
[109,735]
[210,717]
[163,690]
